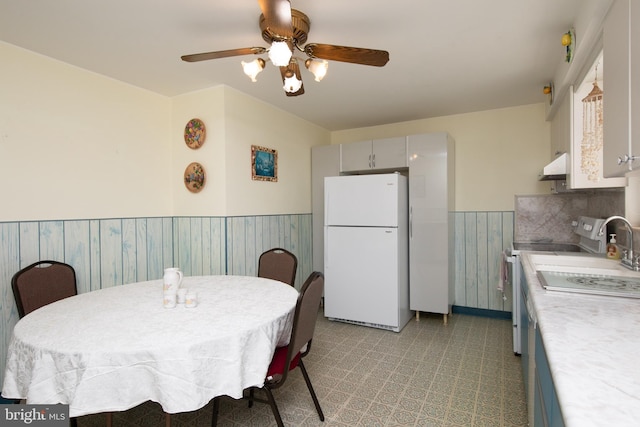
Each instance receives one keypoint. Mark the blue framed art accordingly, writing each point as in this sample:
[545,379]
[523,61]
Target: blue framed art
[264,164]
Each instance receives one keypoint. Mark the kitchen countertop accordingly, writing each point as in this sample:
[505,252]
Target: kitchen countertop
[592,344]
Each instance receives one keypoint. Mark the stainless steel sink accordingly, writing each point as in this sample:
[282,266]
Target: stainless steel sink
[586,274]
[618,286]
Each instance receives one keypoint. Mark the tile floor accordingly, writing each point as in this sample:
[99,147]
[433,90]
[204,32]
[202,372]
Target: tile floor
[463,374]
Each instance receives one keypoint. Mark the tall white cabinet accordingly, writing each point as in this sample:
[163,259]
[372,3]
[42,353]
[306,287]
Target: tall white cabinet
[325,161]
[428,161]
[431,228]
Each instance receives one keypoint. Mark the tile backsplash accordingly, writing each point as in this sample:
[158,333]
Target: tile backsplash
[548,217]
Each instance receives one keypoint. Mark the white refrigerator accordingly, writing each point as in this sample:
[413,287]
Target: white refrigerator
[366,256]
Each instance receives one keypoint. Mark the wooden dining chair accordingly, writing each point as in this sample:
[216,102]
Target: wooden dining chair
[278,264]
[289,357]
[42,283]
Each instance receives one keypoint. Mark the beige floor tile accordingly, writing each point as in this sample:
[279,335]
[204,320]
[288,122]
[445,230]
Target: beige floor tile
[428,375]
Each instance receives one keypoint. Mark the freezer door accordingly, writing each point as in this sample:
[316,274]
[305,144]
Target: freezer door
[361,275]
[363,200]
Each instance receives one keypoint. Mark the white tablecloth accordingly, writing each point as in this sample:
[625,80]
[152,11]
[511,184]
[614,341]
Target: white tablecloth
[112,349]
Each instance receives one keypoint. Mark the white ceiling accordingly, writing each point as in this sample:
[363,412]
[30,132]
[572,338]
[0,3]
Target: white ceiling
[446,56]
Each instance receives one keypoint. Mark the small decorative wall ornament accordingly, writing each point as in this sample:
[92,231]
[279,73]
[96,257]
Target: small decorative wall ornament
[194,134]
[264,164]
[194,177]
[548,90]
[569,41]
[592,132]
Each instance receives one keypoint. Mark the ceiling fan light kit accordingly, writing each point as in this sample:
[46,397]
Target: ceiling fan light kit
[292,84]
[291,79]
[253,68]
[318,67]
[280,54]
[286,30]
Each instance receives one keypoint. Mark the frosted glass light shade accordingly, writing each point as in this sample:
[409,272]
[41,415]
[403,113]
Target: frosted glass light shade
[280,54]
[292,84]
[318,68]
[253,68]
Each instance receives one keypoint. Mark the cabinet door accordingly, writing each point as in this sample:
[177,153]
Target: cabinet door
[430,184]
[634,38]
[546,405]
[389,153]
[356,156]
[325,161]
[586,162]
[616,89]
[524,336]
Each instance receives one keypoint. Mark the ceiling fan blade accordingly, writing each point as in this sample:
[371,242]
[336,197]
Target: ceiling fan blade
[293,67]
[223,54]
[354,55]
[277,17]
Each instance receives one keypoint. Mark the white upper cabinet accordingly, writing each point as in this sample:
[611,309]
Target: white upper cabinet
[583,108]
[622,88]
[387,153]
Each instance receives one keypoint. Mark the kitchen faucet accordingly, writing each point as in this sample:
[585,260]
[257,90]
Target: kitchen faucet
[629,260]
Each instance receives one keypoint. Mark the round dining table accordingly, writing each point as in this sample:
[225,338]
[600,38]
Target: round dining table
[112,349]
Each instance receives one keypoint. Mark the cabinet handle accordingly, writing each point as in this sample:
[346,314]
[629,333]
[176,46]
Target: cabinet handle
[626,159]
[374,161]
[370,161]
[411,222]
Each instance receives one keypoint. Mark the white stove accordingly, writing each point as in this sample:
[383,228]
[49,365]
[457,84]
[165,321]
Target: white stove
[587,228]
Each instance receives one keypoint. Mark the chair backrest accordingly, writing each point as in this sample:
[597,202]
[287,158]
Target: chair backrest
[278,264]
[306,314]
[42,283]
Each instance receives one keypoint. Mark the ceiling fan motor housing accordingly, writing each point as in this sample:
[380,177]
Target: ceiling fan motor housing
[300,24]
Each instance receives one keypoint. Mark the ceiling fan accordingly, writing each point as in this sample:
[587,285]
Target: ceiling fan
[286,30]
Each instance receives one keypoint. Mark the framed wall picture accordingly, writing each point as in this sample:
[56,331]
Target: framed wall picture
[264,164]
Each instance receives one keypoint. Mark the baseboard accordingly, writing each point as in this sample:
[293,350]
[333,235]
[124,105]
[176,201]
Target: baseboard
[481,312]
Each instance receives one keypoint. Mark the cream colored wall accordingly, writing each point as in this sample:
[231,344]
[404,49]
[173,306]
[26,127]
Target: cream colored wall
[251,122]
[93,147]
[74,144]
[235,122]
[208,106]
[498,152]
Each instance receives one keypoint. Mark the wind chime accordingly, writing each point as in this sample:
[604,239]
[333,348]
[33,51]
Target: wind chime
[592,131]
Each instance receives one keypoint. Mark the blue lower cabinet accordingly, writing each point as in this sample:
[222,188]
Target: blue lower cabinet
[539,411]
[546,406]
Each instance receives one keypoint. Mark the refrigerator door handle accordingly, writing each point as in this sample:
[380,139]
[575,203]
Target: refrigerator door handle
[326,245]
[326,205]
